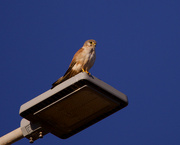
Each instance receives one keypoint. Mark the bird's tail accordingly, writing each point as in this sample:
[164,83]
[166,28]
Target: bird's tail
[57,82]
[64,78]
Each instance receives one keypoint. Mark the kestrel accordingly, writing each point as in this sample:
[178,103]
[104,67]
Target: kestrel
[82,61]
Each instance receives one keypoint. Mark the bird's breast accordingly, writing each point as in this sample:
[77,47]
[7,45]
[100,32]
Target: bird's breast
[89,59]
[85,60]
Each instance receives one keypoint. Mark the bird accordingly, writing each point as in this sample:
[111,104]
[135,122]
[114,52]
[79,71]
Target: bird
[82,61]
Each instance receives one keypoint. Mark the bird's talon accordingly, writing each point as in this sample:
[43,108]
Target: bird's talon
[88,73]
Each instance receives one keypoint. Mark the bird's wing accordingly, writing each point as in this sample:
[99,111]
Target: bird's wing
[74,61]
[70,72]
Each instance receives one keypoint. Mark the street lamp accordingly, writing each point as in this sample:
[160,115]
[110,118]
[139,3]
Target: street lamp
[70,107]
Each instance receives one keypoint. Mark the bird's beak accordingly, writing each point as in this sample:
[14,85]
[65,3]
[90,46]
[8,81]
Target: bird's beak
[94,44]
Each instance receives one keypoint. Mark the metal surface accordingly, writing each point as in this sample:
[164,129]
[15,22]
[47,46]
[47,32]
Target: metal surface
[11,137]
[32,130]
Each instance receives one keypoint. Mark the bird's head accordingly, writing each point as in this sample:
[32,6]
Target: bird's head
[90,43]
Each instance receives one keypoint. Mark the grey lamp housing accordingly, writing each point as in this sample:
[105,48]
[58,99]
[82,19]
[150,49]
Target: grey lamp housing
[73,105]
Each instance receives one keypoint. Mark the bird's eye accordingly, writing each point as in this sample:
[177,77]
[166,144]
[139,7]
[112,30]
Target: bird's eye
[90,42]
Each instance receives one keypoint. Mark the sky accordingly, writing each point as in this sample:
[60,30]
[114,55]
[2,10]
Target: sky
[138,47]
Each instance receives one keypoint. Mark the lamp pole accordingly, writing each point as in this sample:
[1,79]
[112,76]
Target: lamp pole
[11,137]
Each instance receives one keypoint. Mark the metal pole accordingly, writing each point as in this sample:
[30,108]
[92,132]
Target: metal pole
[11,137]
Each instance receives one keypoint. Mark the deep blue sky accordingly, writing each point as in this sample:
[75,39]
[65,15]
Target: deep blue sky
[137,53]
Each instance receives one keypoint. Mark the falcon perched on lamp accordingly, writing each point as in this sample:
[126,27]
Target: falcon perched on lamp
[82,61]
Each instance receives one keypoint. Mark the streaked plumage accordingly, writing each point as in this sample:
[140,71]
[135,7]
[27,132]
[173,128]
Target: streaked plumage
[82,61]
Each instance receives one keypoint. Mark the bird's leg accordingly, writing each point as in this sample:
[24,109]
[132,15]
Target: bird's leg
[83,70]
[86,71]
